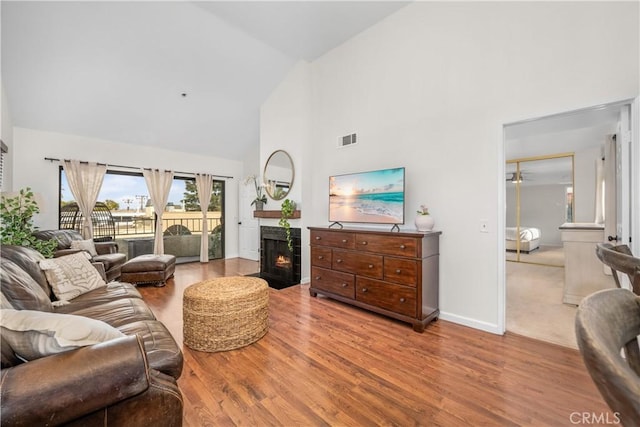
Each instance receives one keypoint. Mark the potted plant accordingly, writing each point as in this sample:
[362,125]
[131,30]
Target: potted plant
[261,199]
[286,212]
[17,226]
[424,221]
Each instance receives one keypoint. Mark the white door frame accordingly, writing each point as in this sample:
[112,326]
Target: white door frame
[634,183]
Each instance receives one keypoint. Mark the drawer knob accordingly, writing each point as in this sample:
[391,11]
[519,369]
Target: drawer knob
[364,243]
[344,285]
[320,257]
[370,265]
[398,271]
[318,237]
[344,240]
[402,246]
[402,300]
[338,261]
[364,290]
[317,277]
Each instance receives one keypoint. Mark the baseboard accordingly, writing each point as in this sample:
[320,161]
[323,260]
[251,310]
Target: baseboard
[472,323]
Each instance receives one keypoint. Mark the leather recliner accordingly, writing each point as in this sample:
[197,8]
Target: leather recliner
[128,381]
[107,251]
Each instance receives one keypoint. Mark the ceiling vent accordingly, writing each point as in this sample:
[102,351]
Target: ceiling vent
[347,140]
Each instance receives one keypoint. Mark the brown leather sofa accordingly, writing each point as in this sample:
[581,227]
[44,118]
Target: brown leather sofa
[107,251]
[128,381]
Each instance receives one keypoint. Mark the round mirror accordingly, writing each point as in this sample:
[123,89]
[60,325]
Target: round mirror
[278,175]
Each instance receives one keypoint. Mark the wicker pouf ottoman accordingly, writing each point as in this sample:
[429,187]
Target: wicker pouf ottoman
[225,313]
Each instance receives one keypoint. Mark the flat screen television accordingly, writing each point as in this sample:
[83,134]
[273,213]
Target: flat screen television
[367,197]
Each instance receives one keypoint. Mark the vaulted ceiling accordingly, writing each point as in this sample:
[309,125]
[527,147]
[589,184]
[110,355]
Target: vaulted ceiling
[189,76]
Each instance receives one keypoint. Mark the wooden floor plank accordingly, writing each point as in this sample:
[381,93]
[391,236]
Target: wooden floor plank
[327,363]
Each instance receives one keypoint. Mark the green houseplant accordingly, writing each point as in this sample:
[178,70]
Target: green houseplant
[286,212]
[17,226]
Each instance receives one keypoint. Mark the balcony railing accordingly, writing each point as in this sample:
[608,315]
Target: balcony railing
[181,236]
[144,226]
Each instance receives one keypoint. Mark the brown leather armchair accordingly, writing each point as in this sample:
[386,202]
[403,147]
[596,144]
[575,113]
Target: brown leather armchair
[107,251]
[108,384]
[128,381]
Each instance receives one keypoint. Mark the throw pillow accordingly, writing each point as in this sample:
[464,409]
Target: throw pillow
[71,275]
[85,245]
[34,334]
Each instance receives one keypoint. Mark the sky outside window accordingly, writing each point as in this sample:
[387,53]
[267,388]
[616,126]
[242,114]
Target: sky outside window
[120,188]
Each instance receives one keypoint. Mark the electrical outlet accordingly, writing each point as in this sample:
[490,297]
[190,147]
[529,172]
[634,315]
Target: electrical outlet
[484,226]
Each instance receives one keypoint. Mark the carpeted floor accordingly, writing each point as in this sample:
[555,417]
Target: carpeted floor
[534,304]
[551,255]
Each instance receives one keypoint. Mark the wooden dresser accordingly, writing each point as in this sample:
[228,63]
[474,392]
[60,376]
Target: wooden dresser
[391,273]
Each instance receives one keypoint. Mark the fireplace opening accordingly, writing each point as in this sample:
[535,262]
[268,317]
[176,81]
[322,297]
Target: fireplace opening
[283,261]
[279,265]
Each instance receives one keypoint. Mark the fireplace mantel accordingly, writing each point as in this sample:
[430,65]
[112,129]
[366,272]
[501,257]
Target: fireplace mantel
[277,214]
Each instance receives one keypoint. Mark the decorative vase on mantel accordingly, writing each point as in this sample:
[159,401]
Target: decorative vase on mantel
[424,222]
[259,205]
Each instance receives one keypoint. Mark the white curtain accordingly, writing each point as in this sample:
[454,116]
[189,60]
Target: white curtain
[85,180]
[159,184]
[204,184]
[599,217]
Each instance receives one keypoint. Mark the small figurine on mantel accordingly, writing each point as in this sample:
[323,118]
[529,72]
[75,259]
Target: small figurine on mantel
[424,221]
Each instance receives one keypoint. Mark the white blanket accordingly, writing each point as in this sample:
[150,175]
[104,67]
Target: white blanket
[527,234]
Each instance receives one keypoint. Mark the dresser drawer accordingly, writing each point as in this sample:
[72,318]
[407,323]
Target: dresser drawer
[387,245]
[400,270]
[333,281]
[333,239]
[357,263]
[397,298]
[321,257]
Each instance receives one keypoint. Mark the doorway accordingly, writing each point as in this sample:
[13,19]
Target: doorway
[534,287]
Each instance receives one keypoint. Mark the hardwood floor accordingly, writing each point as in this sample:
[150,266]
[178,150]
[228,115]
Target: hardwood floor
[324,363]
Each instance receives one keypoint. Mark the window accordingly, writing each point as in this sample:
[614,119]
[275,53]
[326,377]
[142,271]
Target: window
[127,197]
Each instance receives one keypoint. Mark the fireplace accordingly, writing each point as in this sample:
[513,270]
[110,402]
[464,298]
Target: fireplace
[278,265]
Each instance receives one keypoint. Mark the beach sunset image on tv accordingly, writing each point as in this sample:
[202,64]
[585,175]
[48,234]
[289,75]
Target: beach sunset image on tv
[368,197]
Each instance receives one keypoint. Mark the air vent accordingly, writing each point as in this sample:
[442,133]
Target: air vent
[347,140]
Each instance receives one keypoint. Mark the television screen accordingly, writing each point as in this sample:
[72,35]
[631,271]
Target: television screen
[368,197]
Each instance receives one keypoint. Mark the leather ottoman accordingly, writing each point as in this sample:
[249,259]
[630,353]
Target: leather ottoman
[148,269]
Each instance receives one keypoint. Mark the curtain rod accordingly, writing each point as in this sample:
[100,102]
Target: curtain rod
[136,168]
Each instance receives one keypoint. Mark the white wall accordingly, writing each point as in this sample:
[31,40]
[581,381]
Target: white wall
[429,88]
[31,170]
[285,124]
[6,133]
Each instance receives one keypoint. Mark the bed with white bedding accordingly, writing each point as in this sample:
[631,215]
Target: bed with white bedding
[529,238]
